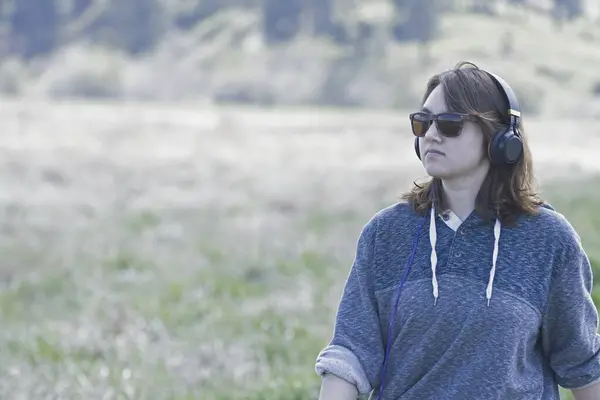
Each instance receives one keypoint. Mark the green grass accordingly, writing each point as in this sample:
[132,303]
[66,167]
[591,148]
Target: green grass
[227,316]
[168,269]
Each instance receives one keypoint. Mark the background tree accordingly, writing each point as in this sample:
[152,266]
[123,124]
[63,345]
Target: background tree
[34,27]
[566,10]
[135,26]
[483,6]
[191,13]
[282,20]
[417,20]
[320,14]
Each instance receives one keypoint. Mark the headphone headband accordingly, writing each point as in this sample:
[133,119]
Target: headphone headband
[506,146]
[514,109]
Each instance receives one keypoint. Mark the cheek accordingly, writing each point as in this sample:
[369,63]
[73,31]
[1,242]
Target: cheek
[472,145]
[477,150]
[467,153]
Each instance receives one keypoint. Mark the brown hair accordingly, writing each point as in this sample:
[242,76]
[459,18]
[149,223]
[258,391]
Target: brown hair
[507,191]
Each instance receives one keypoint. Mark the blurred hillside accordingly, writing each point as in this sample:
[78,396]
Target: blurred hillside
[290,52]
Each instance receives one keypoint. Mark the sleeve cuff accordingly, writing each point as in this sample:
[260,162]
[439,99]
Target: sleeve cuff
[579,383]
[341,362]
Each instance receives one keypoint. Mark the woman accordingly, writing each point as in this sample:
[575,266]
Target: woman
[472,287]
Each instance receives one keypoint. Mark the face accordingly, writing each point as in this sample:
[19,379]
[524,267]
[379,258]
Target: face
[450,158]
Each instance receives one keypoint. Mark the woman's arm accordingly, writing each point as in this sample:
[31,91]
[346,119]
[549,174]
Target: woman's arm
[570,324]
[355,352]
[334,388]
[589,393]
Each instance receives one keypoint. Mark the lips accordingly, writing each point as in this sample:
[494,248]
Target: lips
[433,151]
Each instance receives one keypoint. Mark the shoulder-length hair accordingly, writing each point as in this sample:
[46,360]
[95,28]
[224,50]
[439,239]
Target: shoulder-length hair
[507,190]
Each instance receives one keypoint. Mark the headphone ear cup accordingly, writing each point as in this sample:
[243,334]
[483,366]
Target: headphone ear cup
[505,148]
[417,150]
[494,149]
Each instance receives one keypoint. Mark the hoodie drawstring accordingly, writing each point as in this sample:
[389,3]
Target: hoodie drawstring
[497,228]
[433,241]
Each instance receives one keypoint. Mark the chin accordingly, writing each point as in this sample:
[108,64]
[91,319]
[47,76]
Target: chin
[436,172]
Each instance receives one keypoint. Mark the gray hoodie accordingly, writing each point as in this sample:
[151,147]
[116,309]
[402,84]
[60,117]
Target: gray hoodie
[487,312]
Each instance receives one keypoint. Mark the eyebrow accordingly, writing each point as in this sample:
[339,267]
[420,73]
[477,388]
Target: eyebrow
[427,110]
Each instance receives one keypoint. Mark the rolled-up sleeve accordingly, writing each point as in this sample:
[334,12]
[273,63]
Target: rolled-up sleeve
[355,353]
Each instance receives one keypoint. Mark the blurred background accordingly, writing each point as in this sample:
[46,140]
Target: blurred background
[184,181]
[329,52]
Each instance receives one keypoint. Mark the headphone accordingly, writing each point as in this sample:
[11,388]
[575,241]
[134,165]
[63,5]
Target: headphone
[506,146]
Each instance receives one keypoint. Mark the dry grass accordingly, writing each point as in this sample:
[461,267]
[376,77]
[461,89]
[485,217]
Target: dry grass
[171,252]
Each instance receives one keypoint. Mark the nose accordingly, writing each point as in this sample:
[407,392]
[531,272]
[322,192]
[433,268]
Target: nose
[432,134]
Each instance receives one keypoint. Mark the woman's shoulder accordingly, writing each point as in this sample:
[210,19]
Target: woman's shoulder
[552,224]
[401,212]
[394,221]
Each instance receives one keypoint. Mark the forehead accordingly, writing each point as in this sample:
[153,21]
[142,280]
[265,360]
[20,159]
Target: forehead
[435,102]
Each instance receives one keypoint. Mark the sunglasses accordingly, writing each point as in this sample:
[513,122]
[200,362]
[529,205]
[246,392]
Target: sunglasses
[448,124]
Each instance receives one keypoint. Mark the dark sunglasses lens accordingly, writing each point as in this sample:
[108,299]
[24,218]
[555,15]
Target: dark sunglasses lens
[420,124]
[449,124]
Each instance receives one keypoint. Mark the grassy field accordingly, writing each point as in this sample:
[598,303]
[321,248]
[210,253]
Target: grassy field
[160,252]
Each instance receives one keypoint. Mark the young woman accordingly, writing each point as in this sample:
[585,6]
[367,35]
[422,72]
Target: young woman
[472,287]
